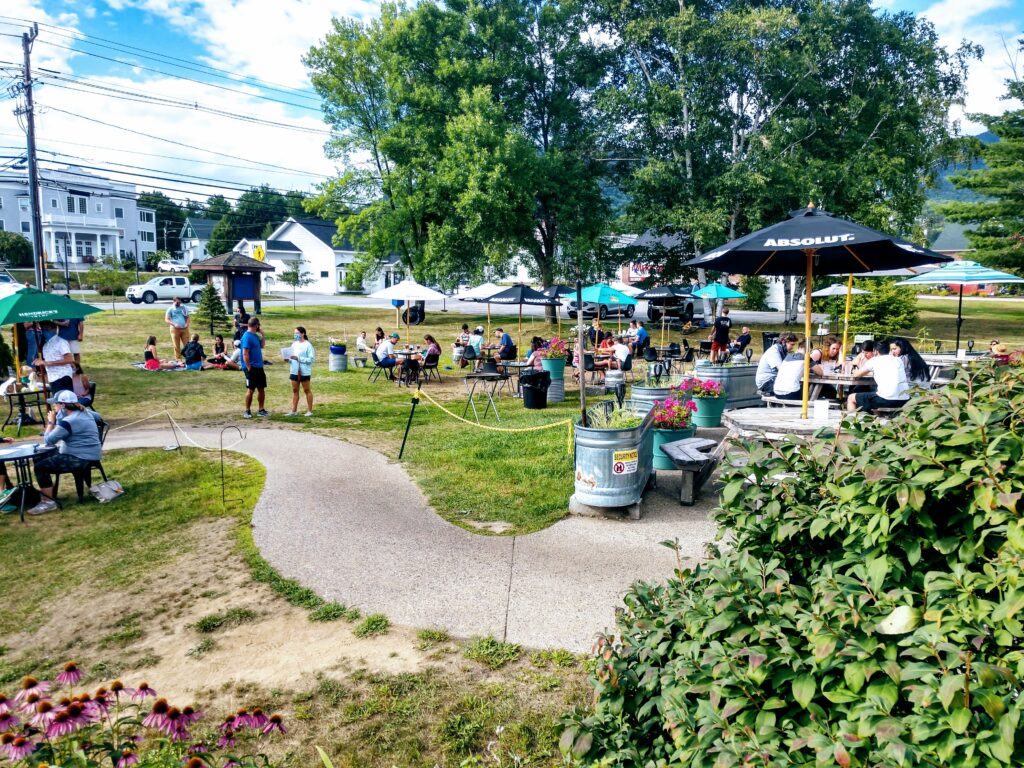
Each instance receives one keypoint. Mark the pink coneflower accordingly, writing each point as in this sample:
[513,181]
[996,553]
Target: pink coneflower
[197,749]
[226,740]
[117,688]
[28,706]
[191,715]
[140,693]
[20,748]
[44,715]
[274,724]
[5,704]
[127,758]
[195,762]
[7,721]
[257,719]
[242,719]
[158,715]
[100,704]
[62,724]
[71,674]
[77,711]
[29,686]
[175,725]
[228,724]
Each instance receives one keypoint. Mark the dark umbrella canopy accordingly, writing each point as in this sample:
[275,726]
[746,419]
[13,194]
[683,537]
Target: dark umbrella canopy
[664,292]
[840,247]
[520,294]
[558,291]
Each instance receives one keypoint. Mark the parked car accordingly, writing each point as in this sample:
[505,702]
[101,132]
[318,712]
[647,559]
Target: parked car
[164,289]
[592,310]
[681,308]
[6,279]
[170,265]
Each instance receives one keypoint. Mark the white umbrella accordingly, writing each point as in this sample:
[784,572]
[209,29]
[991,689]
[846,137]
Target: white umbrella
[483,291]
[407,291]
[838,290]
[629,290]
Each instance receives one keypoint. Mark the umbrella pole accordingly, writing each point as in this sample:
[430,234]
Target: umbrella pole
[846,318]
[579,352]
[959,317]
[488,320]
[663,329]
[520,328]
[807,334]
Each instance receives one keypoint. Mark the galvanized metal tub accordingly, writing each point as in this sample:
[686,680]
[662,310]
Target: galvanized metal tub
[738,381]
[613,465]
[556,391]
[644,396]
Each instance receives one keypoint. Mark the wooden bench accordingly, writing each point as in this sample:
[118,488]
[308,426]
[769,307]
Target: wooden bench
[692,457]
[770,401]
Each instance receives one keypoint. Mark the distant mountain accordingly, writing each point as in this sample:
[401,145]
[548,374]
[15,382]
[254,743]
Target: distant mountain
[945,192]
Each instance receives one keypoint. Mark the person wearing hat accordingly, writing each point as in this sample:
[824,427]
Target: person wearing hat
[75,429]
[1000,353]
[385,352]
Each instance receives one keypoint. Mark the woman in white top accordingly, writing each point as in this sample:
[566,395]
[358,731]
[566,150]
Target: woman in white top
[891,387]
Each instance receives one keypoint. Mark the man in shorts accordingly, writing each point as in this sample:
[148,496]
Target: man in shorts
[71,332]
[252,366]
[720,336]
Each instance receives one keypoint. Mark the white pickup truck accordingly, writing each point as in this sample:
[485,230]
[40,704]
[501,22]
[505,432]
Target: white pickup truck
[164,288]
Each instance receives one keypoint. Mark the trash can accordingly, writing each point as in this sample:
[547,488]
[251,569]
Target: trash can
[767,339]
[535,389]
[338,362]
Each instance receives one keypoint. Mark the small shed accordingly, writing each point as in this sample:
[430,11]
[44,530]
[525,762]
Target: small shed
[237,276]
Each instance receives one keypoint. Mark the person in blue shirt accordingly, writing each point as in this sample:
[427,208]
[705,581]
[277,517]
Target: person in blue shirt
[641,338]
[252,366]
[506,349]
[177,320]
[71,332]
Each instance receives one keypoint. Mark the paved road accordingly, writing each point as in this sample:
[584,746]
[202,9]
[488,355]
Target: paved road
[356,529]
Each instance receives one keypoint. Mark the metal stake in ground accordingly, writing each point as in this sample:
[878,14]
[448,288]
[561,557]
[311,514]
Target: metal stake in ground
[408,424]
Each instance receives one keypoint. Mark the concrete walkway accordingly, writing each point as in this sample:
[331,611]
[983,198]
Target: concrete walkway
[346,522]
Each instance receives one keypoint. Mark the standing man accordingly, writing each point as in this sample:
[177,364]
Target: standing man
[71,332]
[177,320]
[720,336]
[252,366]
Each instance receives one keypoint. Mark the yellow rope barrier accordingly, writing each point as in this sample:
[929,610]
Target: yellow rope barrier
[552,425]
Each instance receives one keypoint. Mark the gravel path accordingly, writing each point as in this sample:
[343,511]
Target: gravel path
[354,527]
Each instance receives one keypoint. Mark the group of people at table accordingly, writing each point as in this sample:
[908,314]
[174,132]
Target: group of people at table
[893,369]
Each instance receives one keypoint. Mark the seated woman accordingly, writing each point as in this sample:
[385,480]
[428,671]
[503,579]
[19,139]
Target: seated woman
[537,354]
[80,385]
[917,369]
[75,430]
[218,345]
[830,352]
[194,354]
[362,347]
[471,352]
[229,362]
[152,362]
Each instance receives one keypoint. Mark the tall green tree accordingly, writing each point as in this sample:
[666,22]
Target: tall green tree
[729,115]
[297,276]
[996,221]
[216,207]
[15,250]
[169,218]
[257,212]
[210,312]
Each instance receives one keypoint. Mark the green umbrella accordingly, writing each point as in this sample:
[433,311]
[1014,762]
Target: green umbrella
[33,306]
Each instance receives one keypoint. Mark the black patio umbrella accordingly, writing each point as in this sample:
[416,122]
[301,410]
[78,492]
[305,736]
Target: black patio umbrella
[520,294]
[661,293]
[557,292]
[813,242]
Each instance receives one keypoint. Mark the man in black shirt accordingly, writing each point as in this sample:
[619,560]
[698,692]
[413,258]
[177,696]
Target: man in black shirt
[720,337]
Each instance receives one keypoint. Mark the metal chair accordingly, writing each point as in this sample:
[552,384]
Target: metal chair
[377,369]
[650,355]
[430,366]
[83,477]
[588,367]
[688,357]
[705,350]
[627,368]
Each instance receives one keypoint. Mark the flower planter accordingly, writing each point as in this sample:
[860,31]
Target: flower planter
[643,397]
[555,366]
[338,349]
[738,381]
[709,411]
[613,466]
[663,436]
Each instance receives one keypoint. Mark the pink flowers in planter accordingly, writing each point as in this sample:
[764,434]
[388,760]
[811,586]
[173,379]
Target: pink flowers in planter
[554,349]
[706,389]
[673,413]
[107,727]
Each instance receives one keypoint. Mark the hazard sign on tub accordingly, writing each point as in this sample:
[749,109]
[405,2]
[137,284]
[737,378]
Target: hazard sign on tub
[625,462]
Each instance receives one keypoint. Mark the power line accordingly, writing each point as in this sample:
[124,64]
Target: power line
[159,156]
[134,96]
[172,141]
[164,58]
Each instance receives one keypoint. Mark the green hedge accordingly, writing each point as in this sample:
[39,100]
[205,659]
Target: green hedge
[865,611]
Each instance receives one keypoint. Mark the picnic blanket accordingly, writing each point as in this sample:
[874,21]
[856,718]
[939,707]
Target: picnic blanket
[142,367]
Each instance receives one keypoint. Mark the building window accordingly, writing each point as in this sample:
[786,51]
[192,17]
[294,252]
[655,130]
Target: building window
[103,247]
[324,274]
[146,217]
[119,213]
[147,237]
[78,250]
[1,203]
[77,203]
[99,207]
[26,227]
[2,227]
[53,202]
[23,204]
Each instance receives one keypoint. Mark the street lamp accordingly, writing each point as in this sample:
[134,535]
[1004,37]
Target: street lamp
[135,255]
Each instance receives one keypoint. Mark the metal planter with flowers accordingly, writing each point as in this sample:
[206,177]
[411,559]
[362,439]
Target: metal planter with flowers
[710,398]
[649,391]
[553,358]
[673,420]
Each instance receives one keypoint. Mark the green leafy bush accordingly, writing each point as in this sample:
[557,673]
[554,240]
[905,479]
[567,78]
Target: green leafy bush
[108,282]
[867,612]
[756,288]
[886,309]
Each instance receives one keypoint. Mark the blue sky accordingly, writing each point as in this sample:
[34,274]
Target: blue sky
[264,39]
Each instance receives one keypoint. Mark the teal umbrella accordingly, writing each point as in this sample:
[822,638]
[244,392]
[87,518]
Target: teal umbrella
[717,291]
[602,293]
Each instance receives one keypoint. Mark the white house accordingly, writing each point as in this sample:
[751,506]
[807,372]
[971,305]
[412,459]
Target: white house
[195,234]
[84,216]
[312,241]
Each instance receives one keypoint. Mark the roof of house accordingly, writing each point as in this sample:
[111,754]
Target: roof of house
[282,245]
[951,239]
[202,227]
[325,231]
[232,262]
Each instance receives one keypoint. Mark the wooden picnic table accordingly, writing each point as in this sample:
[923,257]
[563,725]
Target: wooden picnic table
[776,423]
[691,456]
[837,380]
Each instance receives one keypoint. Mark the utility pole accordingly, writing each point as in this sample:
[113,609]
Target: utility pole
[38,254]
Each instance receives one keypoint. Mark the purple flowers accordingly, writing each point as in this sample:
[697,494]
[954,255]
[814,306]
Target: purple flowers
[7,721]
[127,758]
[70,675]
[29,686]
[5,704]
[17,747]
[142,692]
[274,724]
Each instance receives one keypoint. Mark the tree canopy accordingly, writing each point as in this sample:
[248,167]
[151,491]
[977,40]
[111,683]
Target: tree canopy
[15,250]
[254,216]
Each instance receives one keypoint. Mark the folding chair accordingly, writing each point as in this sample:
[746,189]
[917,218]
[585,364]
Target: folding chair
[705,350]
[627,368]
[588,367]
[430,365]
[83,477]
[377,369]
